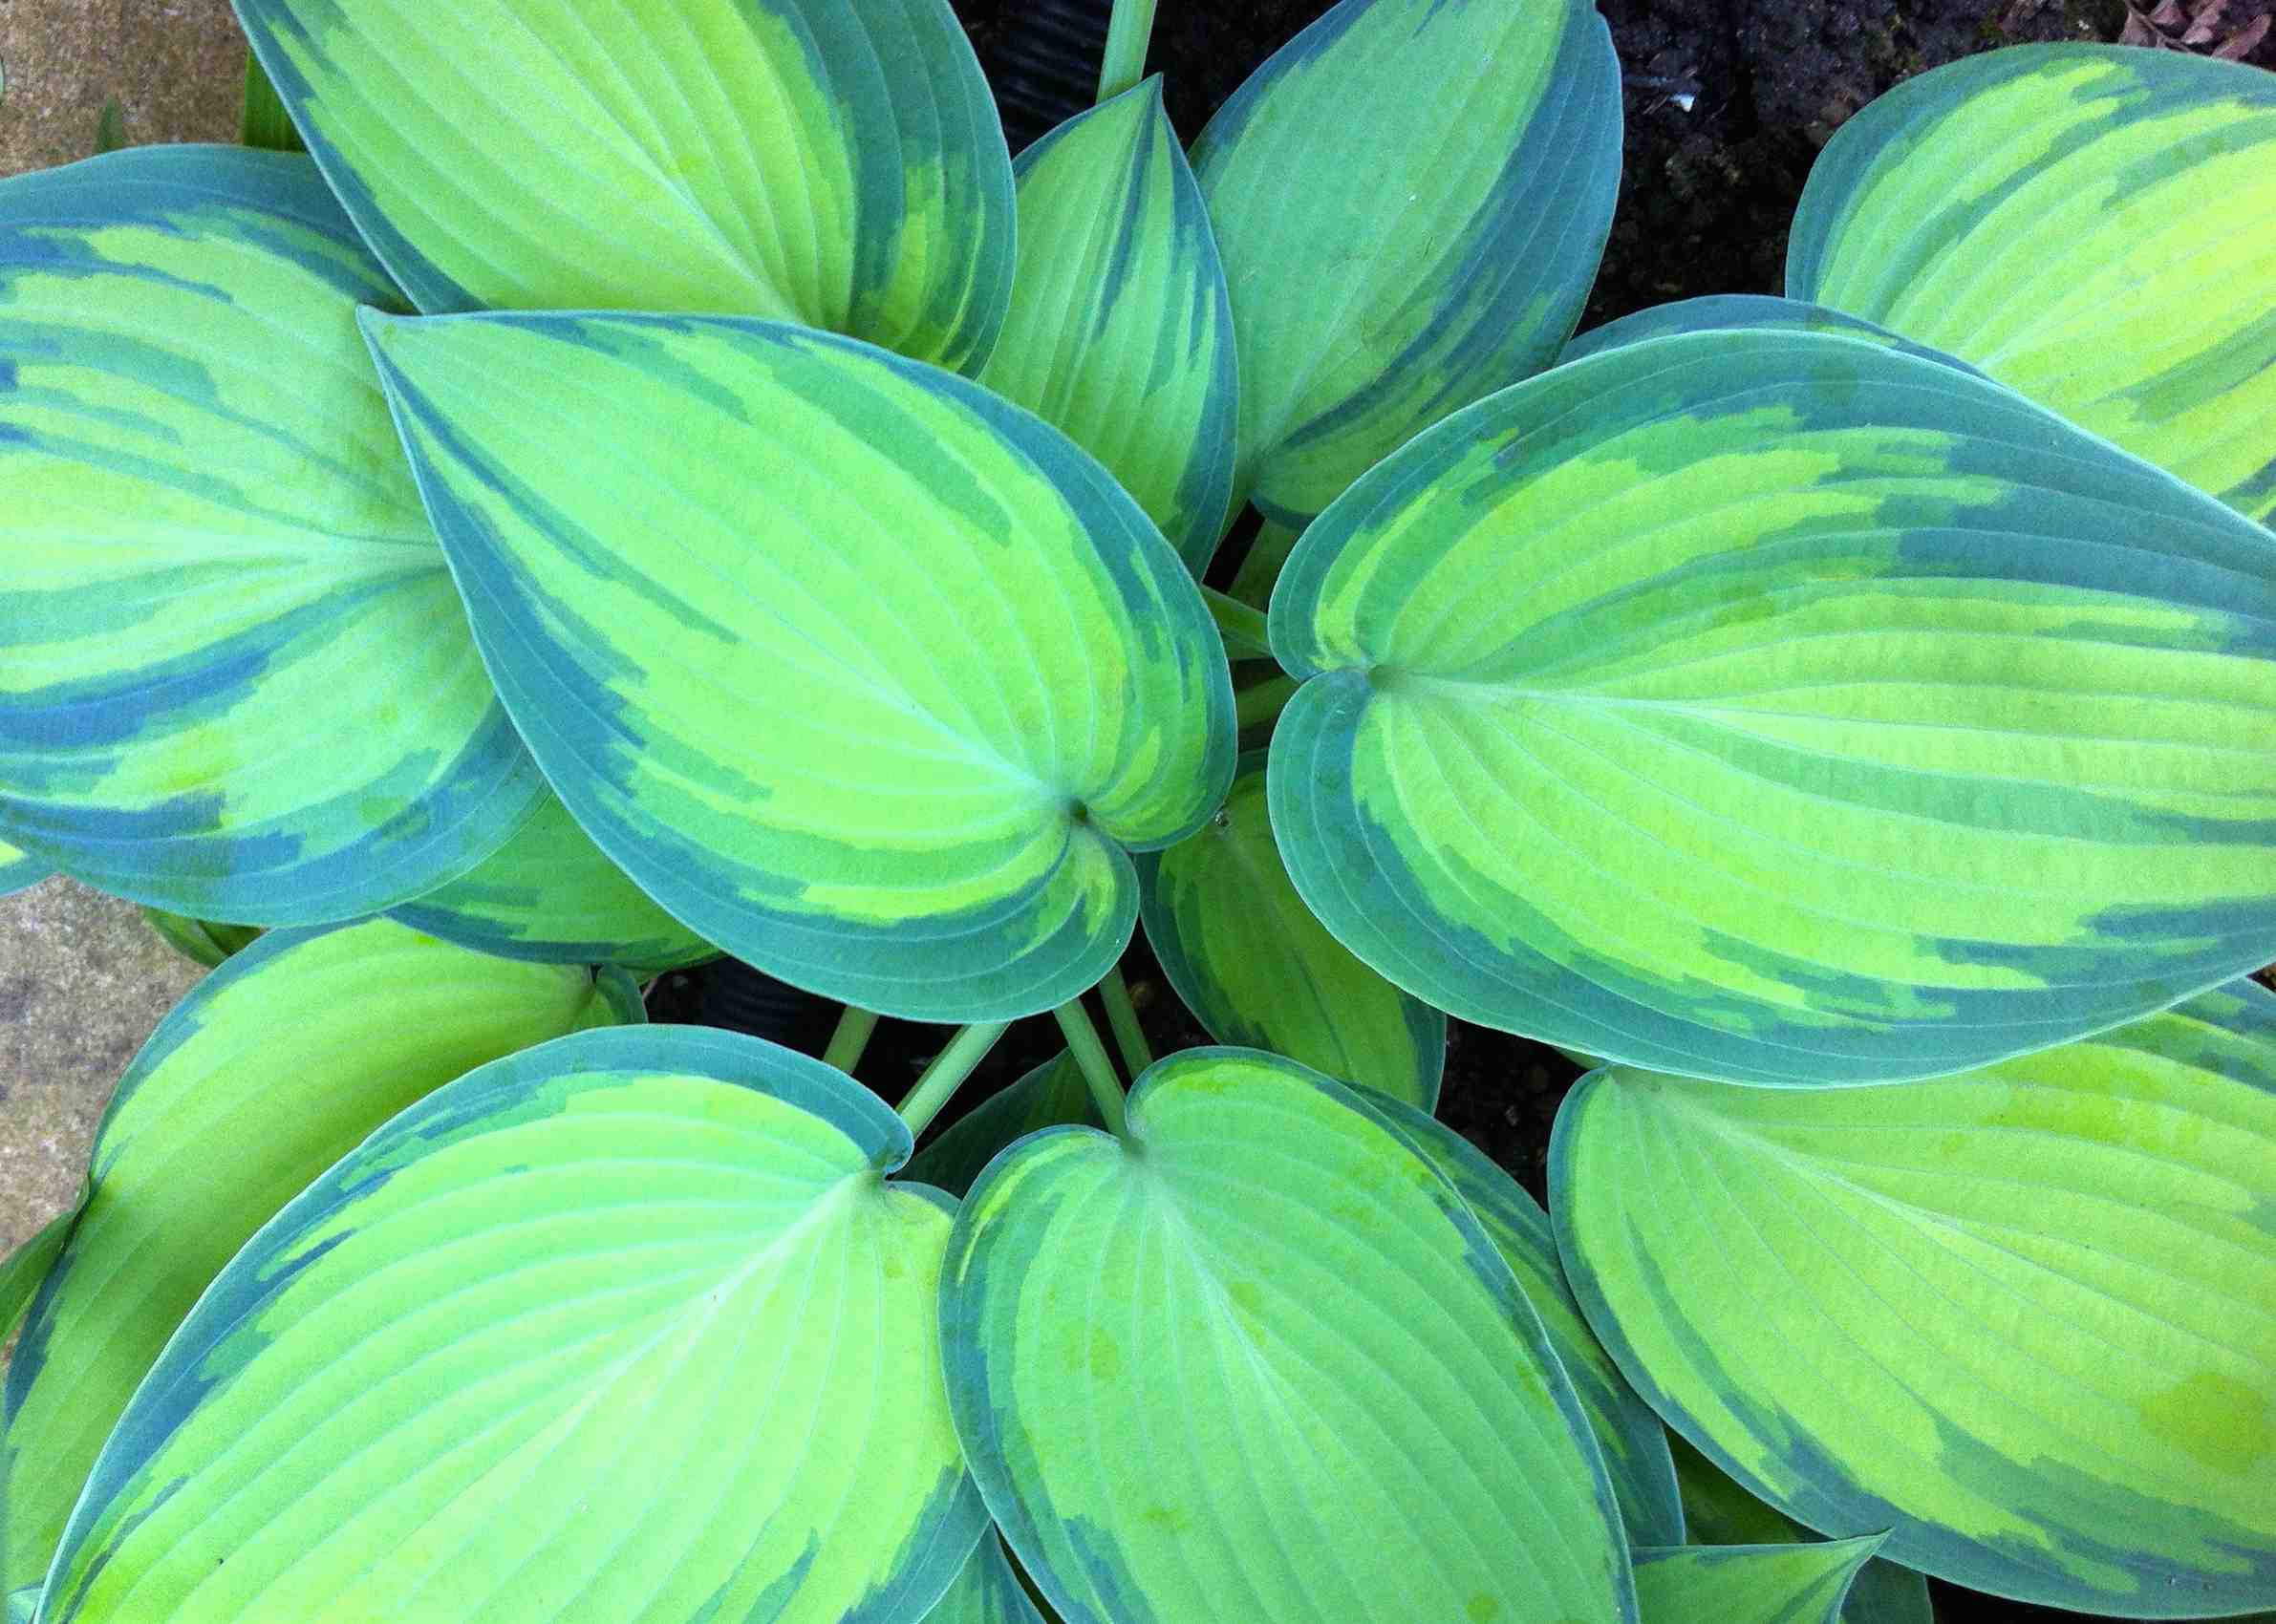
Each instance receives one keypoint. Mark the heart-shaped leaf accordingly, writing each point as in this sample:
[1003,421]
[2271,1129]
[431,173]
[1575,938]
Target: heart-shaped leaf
[1774,706]
[2094,226]
[628,1326]
[1631,1438]
[1749,1584]
[1051,1095]
[2021,1316]
[836,162]
[1410,197]
[1260,1361]
[216,557]
[864,674]
[1119,332]
[273,1067]
[548,894]
[1259,971]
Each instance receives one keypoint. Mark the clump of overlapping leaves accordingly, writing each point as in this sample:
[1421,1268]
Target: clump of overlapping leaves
[658,479]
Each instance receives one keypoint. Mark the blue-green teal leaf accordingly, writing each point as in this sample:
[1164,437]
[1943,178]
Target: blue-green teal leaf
[1119,332]
[1720,312]
[630,1326]
[217,558]
[550,894]
[2094,226]
[836,162]
[1051,1095]
[1259,971]
[2019,1317]
[1410,198]
[1777,707]
[1749,1584]
[1260,1362]
[863,674]
[1633,1441]
[271,1068]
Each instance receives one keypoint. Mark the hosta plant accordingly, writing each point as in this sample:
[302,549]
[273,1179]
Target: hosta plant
[658,479]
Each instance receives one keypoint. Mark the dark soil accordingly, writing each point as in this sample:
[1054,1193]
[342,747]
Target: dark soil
[1728,102]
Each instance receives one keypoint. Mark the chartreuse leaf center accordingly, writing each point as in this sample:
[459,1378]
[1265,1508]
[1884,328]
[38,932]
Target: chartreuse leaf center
[2019,1317]
[1257,1360]
[604,1326]
[1776,706]
[863,674]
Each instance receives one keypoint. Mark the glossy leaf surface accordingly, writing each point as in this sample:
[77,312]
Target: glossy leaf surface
[1257,970]
[624,1328]
[217,558]
[2019,1317]
[1260,1362]
[1410,198]
[865,675]
[550,895]
[1052,1095]
[835,163]
[1776,706]
[2094,226]
[273,1067]
[1749,1584]
[1633,1442]
[1119,332]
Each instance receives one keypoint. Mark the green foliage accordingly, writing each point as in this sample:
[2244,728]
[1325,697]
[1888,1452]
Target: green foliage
[656,478]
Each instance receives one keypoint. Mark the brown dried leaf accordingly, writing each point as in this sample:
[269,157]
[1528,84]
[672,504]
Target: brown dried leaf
[2138,32]
[2241,44]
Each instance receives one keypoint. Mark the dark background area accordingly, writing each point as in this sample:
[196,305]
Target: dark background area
[1727,103]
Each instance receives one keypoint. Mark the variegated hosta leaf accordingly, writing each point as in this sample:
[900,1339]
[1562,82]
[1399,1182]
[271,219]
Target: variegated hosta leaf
[627,1327]
[1052,1094]
[1260,1362]
[2092,225]
[271,1068]
[2021,1315]
[1723,311]
[1410,197]
[1718,1511]
[1257,970]
[1630,1438]
[987,1591]
[1749,1584]
[1773,706]
[864,674]
[1119,332]
[548,894]
[19,870]
[234,679]
[836,162]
